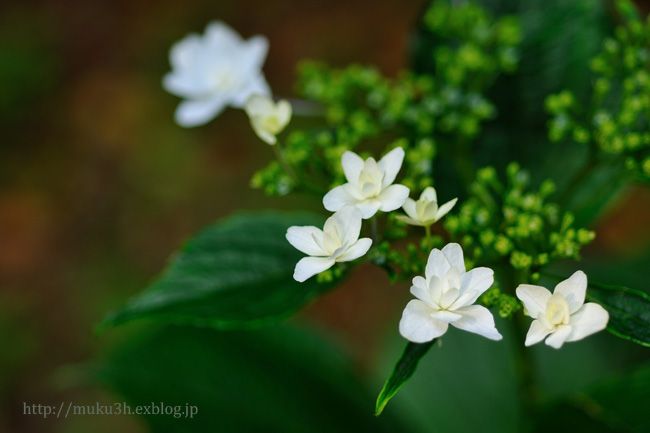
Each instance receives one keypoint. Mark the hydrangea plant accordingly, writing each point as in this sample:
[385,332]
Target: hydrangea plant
[377,152]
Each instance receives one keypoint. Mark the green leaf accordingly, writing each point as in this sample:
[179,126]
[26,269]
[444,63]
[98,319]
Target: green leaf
[402,372]
[618,404]
[235,273]
[466,374]
[629,311]
[278,380]
[621,402]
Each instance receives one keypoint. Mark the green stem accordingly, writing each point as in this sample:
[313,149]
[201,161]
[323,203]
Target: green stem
[285,166]
[525,372]
[299,181]
[427,233]
[374,232]
[305,108]
[524,362]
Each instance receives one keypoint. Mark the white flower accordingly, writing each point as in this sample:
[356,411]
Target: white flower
[337,242]
[425,211]
[369,186]
[446,296]
[215,70]
[563,315]
[267,117]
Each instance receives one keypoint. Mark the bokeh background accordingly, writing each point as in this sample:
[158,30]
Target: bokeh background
[98,185]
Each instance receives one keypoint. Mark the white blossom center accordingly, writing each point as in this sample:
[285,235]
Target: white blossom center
[557,311]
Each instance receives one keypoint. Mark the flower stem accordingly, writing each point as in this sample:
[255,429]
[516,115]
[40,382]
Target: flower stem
[285,166]
[373,227]
[525,372]
[524,362]
[427,234]
[302,107]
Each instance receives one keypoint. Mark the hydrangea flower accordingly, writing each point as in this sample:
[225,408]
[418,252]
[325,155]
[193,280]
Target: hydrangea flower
[337,242]
[425,211]
[370,184]
[268,118]
[563,315]
[215,70]
[446,296]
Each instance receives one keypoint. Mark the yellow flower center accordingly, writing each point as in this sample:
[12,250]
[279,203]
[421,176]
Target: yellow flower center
[557,311]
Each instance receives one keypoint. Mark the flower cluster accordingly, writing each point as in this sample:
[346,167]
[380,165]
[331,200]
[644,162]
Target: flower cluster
[418,111]
[502,223]
[447,294]
[509,221]
[616,122]
[370,187]
[471,48]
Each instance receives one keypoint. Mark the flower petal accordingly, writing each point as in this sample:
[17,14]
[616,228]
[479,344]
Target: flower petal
[479,320]
[347,224]
[409,208]
[263,134]
[589,319]
[417,325]
[358,249]
[445,208]
[573,289]
[254,52]
[534,299]
[446,316]
[454,254]
[420,289]
[368,208]
[536,333]
[284,112]
[409,220]
[429,194]
[352,165]
[255,85]
[259,105]
[393,197]
[184,52]
[390,165]
[219,33]
[559,336]
[307,267]
[436,288]
[198,112]
[306,239]
[472,285]
[183,85]
[338,198]
[437,264]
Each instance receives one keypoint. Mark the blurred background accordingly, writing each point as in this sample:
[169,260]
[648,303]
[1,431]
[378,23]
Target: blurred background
[98,186]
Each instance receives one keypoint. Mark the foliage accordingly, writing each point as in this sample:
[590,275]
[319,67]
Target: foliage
[446,112]
[303,384]
[509,221]
[403,371]
[615,121]
[236,273]
[629,310]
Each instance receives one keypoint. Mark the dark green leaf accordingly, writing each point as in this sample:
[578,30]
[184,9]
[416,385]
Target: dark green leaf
[466,374]
[402,372]
[617,404]
[629,311]
[236,273]
[280,380]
